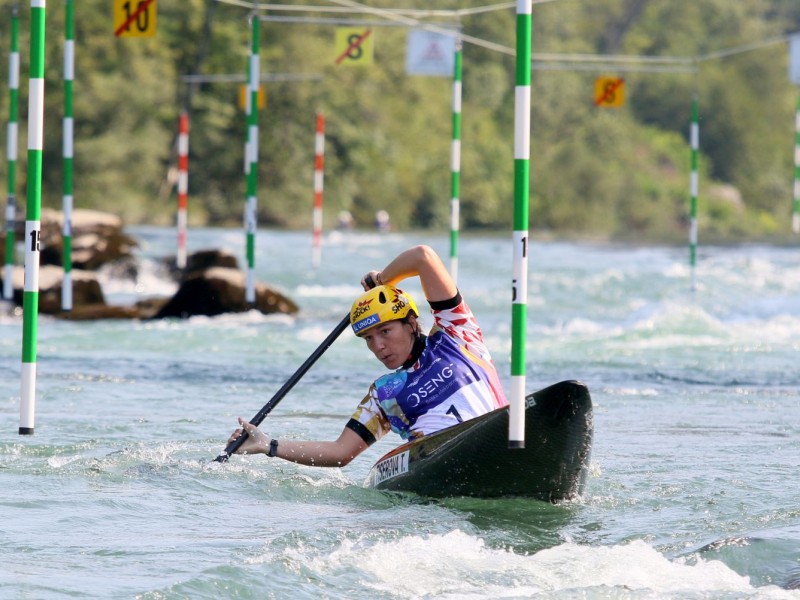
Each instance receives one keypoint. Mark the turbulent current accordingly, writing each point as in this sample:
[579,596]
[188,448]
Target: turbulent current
[692,490]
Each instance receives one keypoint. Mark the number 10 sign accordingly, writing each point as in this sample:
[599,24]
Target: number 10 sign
[134,18]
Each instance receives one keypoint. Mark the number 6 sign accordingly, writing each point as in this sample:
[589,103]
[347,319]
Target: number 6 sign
[134,18]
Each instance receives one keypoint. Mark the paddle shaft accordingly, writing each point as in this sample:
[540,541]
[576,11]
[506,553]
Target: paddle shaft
[290,383]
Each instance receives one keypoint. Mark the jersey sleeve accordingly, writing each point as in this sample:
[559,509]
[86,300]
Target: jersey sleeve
[369,421]
[455,318]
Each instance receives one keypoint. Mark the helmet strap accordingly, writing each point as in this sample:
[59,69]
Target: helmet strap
[420,340]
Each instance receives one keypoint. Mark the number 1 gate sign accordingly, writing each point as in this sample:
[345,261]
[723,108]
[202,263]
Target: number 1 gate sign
[134,18]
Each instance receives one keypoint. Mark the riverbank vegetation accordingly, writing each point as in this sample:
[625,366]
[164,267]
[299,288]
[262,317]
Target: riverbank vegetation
[615,173]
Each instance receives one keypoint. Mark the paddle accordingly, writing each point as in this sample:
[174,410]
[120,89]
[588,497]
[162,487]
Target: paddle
[233,446]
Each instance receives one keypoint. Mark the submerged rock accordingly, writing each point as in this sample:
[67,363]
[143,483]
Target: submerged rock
[210,285]
[221,290]
[85,288]
[97,239]
[200,261]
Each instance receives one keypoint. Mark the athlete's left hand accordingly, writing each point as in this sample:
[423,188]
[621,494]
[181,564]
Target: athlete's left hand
[257,441]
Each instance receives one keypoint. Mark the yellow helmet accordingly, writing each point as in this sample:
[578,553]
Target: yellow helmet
[380,304]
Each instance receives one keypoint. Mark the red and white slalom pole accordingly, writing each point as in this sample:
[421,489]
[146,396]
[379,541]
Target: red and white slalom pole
[319,162]
[183,187]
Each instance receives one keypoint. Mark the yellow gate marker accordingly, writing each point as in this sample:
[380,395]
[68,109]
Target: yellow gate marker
[354,46]
[244,93]
[609,92]
[135,18]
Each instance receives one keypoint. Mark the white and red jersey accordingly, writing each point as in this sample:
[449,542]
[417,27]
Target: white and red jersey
[453,380]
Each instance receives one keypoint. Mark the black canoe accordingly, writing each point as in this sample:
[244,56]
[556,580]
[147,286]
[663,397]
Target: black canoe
[473,458]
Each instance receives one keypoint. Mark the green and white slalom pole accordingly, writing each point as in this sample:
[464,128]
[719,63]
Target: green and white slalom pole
[519,282]
[66,231]
[455,163]
[183,187]
[11,154]
[319,178]
[30,297]
[796,203]
[252,163]
[693,181]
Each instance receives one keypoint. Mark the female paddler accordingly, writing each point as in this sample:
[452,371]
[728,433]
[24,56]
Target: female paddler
[436,380]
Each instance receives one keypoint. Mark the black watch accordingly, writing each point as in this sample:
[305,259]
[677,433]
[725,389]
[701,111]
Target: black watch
[273,448]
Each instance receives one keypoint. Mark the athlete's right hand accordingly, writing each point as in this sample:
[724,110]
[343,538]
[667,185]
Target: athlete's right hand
[370,280]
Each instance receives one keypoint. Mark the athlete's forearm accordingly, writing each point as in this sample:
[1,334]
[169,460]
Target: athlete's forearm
[315,454]
[423,262]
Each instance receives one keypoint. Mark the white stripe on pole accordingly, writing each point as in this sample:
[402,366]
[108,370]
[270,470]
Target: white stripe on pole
[27,410]
[69,60]
[69,125]
[254,144]
[522,120]
[13,75]
[11,147]
[455,208]
[32,229]
[455,222]
[36,103]
[68,204]
[455,156]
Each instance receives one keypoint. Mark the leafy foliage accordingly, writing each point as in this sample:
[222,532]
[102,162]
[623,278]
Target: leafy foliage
[621,173]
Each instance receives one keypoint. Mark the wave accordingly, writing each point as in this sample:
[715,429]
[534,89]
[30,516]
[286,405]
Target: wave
[459,565]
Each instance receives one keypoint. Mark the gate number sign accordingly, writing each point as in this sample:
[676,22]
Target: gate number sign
[609,92]
[134,18]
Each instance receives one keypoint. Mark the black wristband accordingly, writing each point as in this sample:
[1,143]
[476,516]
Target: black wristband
[273,448]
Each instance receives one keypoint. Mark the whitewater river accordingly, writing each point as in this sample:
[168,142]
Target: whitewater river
[693,489]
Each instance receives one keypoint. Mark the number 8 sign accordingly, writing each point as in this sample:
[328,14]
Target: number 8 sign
[134,18]
[609,92]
